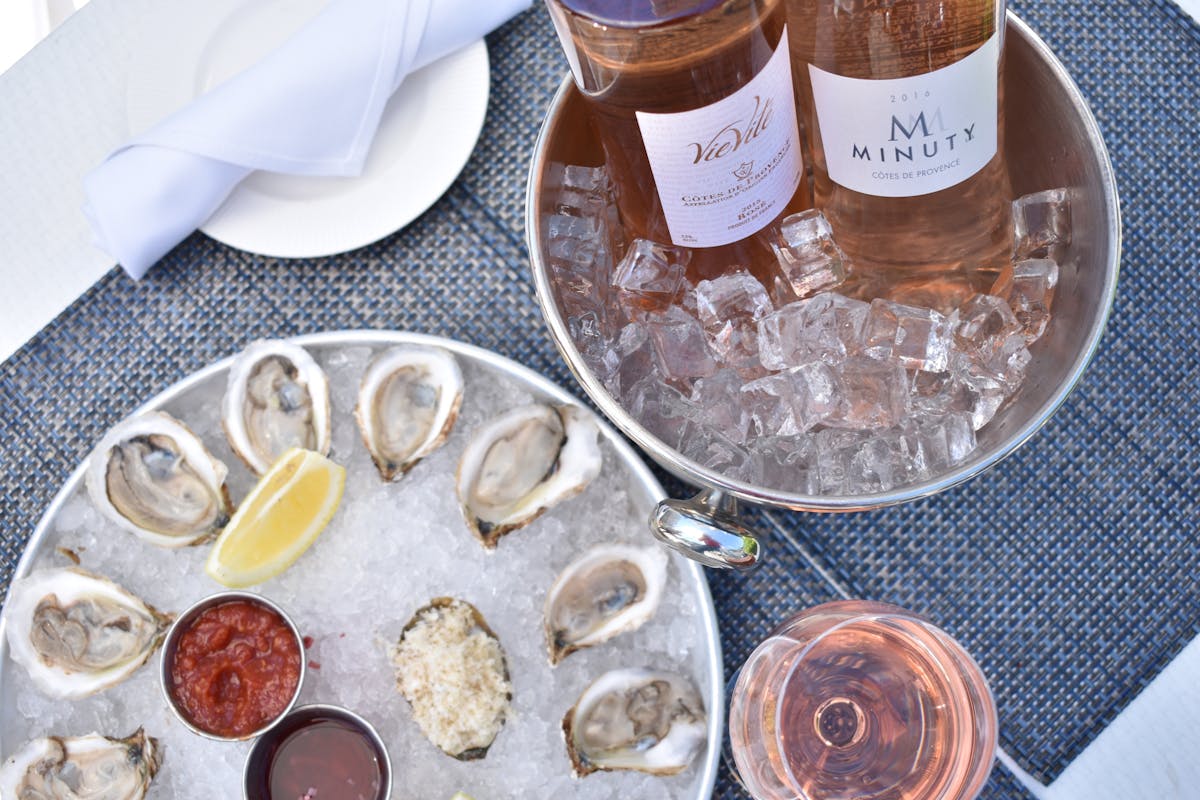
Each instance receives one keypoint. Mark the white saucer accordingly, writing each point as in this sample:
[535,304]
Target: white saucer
[428,131]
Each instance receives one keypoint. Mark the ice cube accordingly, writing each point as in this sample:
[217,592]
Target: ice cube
[680,345]
[579,263]
[770,403]
[581,234]
[930,392]
[589,180]
[719,453]
[730,307]
[688,301]
[791,402]
[874,394]
[795,400]
[989,345]
[575,247]
[572,242]
[631,339]
[788,463]
[575,203]
[810,261]
[718,399]
[781,338]
[980,405]
[1028,288]
[880,464]
[587,332]
[826,326]
[650,276]
[635,359]
[578,191]
[939,441]
[913,337]
[1041,224]
[577,292]
[943,393]
[663,410]
[833,451]
[735,295]
[819,393]
[572,239]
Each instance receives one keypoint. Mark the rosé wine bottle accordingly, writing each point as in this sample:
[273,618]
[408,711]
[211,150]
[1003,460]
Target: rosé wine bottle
[905,134]
[694,104]
[856,700]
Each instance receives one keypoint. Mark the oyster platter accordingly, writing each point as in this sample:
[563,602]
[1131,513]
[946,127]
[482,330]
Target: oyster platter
[471,581]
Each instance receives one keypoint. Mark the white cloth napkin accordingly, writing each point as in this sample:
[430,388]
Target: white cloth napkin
[309,108]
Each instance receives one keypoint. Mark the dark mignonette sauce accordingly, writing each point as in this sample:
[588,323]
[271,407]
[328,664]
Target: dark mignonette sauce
[318,757]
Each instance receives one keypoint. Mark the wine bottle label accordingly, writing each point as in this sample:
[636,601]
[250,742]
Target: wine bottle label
[905,137]
[727,169]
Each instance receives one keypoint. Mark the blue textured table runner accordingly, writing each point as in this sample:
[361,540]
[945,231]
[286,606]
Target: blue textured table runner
[1070,571]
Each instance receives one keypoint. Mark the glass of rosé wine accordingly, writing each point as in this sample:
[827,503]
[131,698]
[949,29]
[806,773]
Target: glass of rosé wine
[857,700]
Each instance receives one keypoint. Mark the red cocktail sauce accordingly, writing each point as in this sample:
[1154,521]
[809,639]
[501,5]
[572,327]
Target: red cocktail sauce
[235,668]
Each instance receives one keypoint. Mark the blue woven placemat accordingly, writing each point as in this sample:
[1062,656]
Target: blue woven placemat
[1070,571]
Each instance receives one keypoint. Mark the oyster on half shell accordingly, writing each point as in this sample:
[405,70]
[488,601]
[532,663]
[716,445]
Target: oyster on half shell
[407,405]
[74,768]
[607,591]
[523,462]
[636,719]
[451,669]
[277,398]
[154,477]
[76,633]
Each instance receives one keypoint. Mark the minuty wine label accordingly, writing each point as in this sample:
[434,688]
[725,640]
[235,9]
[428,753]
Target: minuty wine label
[727,169]
[905,137]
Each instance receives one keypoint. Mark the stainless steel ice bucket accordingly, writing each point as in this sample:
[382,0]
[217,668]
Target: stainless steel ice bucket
[1052,140]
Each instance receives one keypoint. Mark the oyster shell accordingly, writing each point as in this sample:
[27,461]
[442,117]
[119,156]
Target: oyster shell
[451,669]
[523,462]
[277,398]
[154,477]
[407,404]
[74,768]
[608,590]
[76,633]
[635,719]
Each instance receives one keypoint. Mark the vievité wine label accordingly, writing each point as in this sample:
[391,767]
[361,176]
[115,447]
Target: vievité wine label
[727,169]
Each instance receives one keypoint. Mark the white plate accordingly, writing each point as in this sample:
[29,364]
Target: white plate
[428,131]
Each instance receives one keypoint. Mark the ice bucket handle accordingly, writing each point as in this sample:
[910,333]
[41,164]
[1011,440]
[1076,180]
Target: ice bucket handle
[707,529]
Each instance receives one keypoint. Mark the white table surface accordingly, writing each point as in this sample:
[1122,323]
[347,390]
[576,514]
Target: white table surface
[64,109]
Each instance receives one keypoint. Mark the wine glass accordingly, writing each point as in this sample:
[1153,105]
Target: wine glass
[857,700]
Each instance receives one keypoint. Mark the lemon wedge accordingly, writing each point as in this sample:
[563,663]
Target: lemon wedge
[462,796]
[280,519]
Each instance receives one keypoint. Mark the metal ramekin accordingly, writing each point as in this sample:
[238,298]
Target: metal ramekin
[1052,140]
[172,640]
[259,750]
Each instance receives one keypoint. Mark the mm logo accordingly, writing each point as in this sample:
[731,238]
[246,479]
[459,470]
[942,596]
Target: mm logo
[919,123]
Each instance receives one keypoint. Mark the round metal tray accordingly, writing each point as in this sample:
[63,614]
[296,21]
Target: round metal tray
[640,486]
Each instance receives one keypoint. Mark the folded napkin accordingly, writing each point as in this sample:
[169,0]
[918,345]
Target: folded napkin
[309,108]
